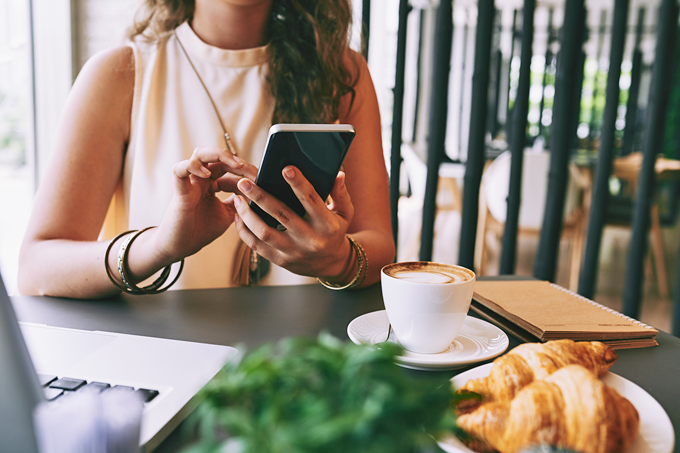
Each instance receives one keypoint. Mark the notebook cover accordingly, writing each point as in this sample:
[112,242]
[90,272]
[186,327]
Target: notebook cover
[545,311]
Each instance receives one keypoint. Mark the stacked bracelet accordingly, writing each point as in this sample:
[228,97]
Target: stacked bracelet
[123,269]
[362,269]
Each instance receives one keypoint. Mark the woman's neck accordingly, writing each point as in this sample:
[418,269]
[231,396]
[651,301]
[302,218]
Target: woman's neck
[230,24]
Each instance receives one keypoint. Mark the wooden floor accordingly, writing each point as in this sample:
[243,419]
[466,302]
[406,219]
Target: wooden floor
[655,311]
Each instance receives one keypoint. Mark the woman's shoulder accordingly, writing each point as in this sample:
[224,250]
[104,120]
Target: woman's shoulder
[105,88]
[114,68]
[354,63]
[360,80]
[119,63]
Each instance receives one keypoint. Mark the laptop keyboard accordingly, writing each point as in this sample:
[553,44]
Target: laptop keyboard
[55,387]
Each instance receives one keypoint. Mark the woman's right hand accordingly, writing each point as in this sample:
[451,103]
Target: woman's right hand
[196,216]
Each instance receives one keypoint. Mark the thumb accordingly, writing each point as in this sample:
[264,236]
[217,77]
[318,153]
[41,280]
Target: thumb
[341,202]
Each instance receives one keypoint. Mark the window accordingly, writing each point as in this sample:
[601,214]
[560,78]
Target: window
[16,163]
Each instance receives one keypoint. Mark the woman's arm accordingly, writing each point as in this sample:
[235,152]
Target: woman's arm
[316,244]
[60,255]
[367,180]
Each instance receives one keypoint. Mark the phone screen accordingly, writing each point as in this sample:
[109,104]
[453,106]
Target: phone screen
[318,154]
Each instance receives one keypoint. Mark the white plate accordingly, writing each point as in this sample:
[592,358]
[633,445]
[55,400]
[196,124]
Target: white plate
[477,341]
[656,430]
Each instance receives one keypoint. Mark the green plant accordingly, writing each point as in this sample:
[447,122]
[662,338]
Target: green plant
[308,395]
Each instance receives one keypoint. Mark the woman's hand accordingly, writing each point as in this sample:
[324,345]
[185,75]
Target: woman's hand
[196,216]
[314,245]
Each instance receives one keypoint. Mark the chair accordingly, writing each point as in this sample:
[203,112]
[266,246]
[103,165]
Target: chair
[493,206]
[448,208]
[627,168]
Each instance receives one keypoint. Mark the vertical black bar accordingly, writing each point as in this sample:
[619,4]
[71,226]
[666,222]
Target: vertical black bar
[462,89]
[674,201]
[632,104]
[576,101]
[496,63]
[634,90]
[497,90]
[675,321]
[476,143]
[662,74]
[596,79]
[519,126]
[443,35]
[591,256]
[571,41]
[365,26]
[419,59]
[546,63]
[397,118]
[508,111]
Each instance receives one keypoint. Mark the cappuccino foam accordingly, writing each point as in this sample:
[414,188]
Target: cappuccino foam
[426,272]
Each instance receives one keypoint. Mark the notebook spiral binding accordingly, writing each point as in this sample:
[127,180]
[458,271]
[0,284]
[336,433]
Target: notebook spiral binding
[592,302]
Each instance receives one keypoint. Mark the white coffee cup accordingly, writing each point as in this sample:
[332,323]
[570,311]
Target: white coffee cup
[426,303]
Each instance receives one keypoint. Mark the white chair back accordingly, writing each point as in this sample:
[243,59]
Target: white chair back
[534,188]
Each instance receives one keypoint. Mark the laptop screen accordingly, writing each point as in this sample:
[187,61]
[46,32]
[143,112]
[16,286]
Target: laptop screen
[19,388]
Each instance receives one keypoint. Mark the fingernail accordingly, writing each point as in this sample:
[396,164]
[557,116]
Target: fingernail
[237,201]
[238,159]
[205,171]
[289,172]
[245,185]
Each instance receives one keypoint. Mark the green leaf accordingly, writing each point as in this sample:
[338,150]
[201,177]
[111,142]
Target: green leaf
[308,395]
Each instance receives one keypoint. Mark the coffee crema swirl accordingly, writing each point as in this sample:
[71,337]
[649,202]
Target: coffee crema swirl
[427,272]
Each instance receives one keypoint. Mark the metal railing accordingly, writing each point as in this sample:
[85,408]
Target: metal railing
[587,107]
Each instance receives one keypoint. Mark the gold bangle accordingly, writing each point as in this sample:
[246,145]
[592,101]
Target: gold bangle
[106,259]
[123,269]
[360,275]
[363,253]
[153,288]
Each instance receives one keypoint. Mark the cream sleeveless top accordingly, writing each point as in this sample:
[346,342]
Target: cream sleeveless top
[171,116]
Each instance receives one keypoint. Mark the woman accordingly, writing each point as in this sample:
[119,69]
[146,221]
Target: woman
[141,144]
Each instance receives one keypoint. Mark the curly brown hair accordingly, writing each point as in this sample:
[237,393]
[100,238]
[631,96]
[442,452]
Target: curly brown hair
[309,42]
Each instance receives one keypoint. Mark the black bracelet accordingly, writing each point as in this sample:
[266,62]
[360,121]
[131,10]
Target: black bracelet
[123,269]
[106,259]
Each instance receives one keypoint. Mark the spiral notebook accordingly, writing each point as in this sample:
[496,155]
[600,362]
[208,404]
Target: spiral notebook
[543,311]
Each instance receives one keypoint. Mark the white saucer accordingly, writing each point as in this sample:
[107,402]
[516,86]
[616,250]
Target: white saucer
[477,341]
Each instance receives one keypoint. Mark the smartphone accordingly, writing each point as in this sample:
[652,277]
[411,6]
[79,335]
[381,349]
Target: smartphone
[317,150]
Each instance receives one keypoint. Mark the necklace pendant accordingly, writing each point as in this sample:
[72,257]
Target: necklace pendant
[227,141]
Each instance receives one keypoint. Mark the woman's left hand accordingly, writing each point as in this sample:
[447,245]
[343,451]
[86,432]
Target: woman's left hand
[313,245]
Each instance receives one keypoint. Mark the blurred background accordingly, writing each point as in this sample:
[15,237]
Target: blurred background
[44,43]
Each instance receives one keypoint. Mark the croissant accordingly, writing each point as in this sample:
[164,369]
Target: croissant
[530,361]
[570,409]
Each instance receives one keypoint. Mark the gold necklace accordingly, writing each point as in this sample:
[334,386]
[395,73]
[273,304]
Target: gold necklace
[227,140]
[255,267]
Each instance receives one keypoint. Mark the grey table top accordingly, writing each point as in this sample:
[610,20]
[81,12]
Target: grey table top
[253,316]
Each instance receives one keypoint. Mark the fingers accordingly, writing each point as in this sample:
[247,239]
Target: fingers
[312,202]
[197,164]
[270,204]
[304,191]
[314,232]
[256,234]
[341,201]
[229,183]
[307,243]
[190,167]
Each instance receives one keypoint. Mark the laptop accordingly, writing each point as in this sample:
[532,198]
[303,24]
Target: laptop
[39,362]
